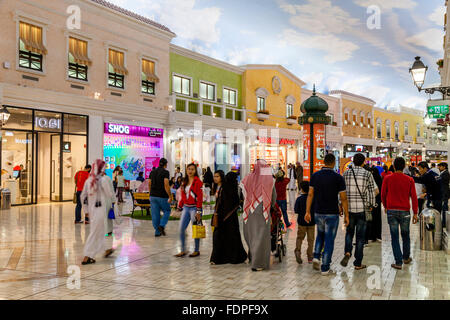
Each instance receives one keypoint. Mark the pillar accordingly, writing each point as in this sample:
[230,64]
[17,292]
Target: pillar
[95,137]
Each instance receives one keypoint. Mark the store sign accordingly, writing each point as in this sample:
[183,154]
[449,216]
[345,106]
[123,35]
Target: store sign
[47,123]
[438,109]
[67,146]
[123,129]
[281,141]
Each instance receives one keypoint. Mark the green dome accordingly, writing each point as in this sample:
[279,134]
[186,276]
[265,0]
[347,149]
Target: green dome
[314,104]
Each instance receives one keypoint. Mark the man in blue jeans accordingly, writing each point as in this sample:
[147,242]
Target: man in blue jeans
[325,187]
[361,192]
[160,197]
[397,192]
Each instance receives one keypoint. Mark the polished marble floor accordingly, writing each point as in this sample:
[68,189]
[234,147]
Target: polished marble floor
[40,247]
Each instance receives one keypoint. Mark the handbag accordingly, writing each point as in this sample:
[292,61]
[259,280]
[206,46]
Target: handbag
[111,214]
[198,230]
[367,209]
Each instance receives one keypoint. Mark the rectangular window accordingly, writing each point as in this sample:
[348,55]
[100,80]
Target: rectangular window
[261,104]
[289,110]
[31,46]
[207,91]
[181,85]
[229,96]
[117,70]
[148,77]
[78,59]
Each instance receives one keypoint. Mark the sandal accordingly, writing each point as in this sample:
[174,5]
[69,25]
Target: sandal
[88,261]
[109,252]
[363,266]
[181,254]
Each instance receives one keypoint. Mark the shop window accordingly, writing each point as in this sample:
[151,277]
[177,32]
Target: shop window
[229,96]
[261,104]
[78,59]
[117,70]
[75,124]
[47,121]
[181,85]
[148,77]
[207,91]
[19,119]
[31,46]
[289,110]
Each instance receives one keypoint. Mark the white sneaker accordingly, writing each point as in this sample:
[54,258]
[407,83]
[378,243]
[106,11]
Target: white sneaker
[316,264]
[328,273]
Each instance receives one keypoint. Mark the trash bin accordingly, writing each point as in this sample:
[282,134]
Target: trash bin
[430,230]
[5,199]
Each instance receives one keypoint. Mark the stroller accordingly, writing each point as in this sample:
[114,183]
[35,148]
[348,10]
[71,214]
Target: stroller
[276,233]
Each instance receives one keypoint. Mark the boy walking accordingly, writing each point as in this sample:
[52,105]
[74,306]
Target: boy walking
[304,228]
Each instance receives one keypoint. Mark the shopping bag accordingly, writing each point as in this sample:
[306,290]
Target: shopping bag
[111,214]
[198,231]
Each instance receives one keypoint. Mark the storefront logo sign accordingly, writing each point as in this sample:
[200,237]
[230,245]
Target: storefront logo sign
[46,123]
[281,141]
[117,128]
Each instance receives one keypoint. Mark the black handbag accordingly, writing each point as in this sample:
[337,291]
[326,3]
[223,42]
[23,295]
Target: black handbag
[367,209]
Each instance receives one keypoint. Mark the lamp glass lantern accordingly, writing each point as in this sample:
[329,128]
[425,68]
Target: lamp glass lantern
[4,115]
[418,73]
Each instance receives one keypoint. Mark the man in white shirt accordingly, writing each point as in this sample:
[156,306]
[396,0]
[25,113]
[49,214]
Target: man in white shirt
[292,186]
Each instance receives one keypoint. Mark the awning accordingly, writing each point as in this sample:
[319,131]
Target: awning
[78,49]
[148,68]
[116,59]
[31,36]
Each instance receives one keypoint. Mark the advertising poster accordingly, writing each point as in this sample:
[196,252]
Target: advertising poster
[306,153]
[319,146]
[135,149]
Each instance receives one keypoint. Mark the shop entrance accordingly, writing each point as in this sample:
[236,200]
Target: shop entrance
[40,155]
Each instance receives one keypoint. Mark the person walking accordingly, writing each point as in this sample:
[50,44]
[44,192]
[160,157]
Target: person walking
[280,186]
[396,193]
[259,197]
[219,177]
[178,174]
[292,186]
[227,243]
[432,185]
[299,173]
[386,172]
[96,195]
[80,178]
[374,227]
[361,191]
[160,197]
[191,203]
[120,186]
[445,180]
[304,228]
[326,187]
[114,177]
[208,181]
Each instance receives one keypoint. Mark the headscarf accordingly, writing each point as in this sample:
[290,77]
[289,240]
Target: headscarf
[257,188]
[229,195]
[98,168]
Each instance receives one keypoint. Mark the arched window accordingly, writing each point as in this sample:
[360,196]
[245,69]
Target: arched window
[418,131]
[369,120]
[354,117]
[346,116]
[379,128]
[388,129]
[406,128]
[396,135]
[361,119]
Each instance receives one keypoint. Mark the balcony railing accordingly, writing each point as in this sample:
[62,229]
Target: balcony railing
[208,108]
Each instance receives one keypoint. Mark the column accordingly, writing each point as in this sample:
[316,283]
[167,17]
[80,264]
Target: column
[95,137]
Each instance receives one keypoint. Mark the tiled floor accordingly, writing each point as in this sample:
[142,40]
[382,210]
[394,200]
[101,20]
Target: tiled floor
[39,243]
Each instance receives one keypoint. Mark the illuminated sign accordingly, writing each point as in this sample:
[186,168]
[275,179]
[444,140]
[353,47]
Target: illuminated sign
[46,123]
[129,130]
[118,128]
[281,141]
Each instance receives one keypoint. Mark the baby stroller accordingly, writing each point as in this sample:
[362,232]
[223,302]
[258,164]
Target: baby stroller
[277,243]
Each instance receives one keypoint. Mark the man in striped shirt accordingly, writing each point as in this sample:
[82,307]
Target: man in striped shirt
[361,191]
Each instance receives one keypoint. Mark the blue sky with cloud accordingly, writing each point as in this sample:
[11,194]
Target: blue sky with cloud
[326,42]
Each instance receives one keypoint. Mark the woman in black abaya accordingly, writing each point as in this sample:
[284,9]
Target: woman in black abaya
[227,243]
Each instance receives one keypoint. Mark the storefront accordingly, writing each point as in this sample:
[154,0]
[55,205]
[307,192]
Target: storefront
[436,156]
[40,153]
[283,153]
[135,149]
[350,150]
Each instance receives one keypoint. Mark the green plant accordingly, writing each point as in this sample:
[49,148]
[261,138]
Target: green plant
[440,63]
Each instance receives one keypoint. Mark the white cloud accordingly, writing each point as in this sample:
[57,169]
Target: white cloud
[319,17]
[375,63]
[185,19]
[244,56]
[438,16]
[431,39]
[248,32]
[335,48]
[387,4]
[313,78]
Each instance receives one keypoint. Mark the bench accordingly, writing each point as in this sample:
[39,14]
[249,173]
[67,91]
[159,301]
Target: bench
[141,200]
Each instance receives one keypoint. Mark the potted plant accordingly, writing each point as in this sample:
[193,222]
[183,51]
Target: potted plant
[262,115]
[291,120]
[440,63]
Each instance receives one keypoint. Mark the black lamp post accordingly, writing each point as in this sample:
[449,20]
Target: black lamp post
[418,72]
[4,116]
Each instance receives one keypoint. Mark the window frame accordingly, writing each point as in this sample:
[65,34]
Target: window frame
[83,37]
[20,16]
[257,104]
[77,66]
[116,77]
[290,107]
[109,74]
[208,84]
[236,92]
[380,126]
[182,77]
[155,61]
[147,83]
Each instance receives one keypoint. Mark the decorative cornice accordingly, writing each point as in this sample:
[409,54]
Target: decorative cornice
[276,67]
[262,92]
[352,96]
[205,59]
[307,93]
[290,99]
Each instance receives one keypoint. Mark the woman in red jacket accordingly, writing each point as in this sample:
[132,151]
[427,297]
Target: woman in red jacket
[191,203]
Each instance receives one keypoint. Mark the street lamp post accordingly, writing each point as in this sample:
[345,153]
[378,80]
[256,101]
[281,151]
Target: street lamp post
[418,72]
[4,116]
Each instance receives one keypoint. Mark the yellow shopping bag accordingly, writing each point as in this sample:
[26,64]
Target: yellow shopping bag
[198,231]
